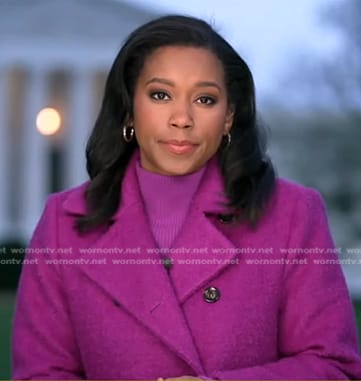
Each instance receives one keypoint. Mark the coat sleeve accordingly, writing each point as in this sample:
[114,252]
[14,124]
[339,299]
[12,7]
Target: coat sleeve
[43,344]
[317,329]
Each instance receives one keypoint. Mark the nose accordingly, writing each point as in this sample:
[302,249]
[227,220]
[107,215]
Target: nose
[181,115]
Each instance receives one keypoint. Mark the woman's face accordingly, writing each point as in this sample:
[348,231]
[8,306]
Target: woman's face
[180,109]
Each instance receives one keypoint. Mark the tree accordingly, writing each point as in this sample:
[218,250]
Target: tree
[317,141]
[333,84]
[343,74]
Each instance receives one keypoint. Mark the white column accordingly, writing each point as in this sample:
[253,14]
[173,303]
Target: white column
[35,159]
[5,140]
[80,124]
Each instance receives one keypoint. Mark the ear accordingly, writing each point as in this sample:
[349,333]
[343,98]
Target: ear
[229,119]
[129,121]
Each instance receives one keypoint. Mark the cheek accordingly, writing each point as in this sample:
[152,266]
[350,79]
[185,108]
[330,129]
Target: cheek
[213,130]
[214,123]
[138,108]
[211,137]
[145,117]
[141,118]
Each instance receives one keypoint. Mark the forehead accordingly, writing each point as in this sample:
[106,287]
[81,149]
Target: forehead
[183,61]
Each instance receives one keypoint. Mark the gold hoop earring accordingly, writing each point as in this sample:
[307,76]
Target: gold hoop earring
[128,133]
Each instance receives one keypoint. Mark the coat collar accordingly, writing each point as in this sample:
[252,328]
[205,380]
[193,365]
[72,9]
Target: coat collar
[150,294]
[209,197]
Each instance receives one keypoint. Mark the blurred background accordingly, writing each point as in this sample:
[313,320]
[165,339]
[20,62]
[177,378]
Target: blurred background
[54,57]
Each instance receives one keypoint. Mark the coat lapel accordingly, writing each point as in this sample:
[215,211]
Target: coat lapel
[144,290]
[205,250]
[209,253]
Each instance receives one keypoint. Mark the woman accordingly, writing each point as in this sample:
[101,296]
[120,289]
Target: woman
[183,256]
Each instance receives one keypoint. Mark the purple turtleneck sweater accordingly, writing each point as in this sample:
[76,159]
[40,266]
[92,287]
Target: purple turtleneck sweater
[167,200]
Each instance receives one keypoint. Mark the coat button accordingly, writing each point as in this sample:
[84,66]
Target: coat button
[225,218]
[211,294]
[116,303]
[167,263]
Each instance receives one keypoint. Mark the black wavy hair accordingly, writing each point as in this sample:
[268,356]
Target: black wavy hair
[249,177]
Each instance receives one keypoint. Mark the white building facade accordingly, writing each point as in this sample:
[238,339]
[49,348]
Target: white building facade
[52,54]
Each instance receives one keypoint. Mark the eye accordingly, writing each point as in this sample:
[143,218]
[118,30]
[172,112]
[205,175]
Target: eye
[159,96]
[206,100]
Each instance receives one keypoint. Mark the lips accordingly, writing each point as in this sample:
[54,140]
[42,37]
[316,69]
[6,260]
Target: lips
[179,142]
[179,146]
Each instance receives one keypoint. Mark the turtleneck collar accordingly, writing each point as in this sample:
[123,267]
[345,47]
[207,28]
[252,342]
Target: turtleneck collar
[167,200]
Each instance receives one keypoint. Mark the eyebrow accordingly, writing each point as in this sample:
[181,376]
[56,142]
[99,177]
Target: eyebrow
[170,83]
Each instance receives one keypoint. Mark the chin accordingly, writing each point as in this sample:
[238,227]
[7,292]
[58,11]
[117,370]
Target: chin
[176,172]
[180,170]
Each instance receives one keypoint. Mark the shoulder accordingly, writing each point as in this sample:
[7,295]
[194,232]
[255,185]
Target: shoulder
[71,200]
[292,201]
[58,215]
[287,186]
[288,193]
[294,216]
[60,206]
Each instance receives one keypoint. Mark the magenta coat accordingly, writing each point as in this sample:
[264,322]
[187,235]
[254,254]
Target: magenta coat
[105,314]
